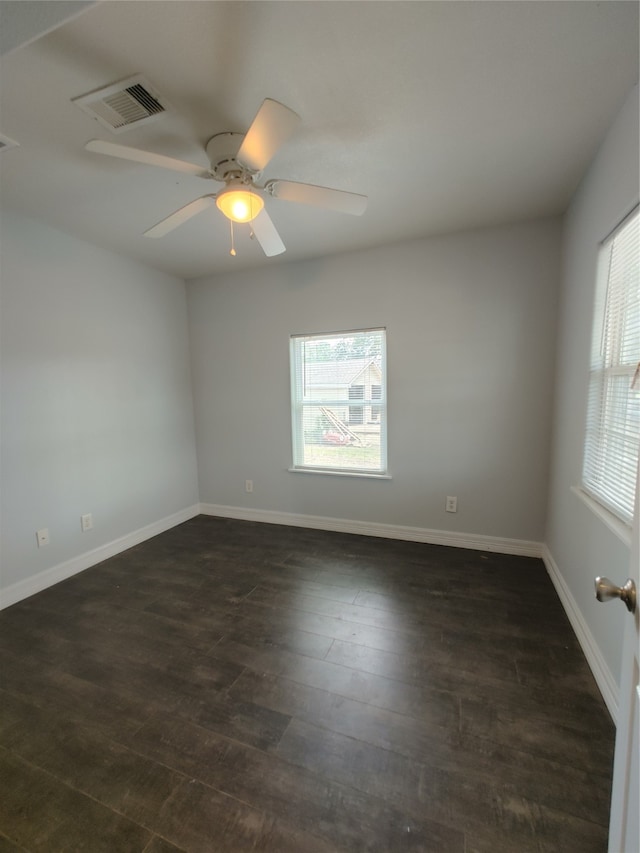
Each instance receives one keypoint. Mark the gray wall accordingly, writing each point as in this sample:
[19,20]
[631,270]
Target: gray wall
[470,337]
[580,543]
[97,411]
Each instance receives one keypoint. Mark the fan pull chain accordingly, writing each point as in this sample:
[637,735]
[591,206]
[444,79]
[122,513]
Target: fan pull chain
[233,248]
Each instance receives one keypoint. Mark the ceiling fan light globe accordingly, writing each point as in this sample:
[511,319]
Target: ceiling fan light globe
[239,205]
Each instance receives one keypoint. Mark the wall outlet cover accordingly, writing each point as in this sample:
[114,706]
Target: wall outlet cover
[42,537]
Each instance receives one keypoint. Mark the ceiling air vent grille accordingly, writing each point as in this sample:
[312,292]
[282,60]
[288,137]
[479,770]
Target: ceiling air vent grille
[123,105]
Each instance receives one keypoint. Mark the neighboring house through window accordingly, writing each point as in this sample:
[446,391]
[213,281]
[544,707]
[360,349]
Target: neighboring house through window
[376,394]
[356,413]
[339,402]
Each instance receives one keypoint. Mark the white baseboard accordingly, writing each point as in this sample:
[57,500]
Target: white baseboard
[474,541]
[604,678]
[30,586]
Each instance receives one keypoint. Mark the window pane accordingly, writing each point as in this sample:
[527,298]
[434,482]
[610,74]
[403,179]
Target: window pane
[613,418]
[335,380]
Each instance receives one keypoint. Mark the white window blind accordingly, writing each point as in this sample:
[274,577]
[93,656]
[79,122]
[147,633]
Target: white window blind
[613,417]
[338,402]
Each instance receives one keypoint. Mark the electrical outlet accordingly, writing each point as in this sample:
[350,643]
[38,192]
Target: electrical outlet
[86,522]
[451,504]
[42,537]
[248,485]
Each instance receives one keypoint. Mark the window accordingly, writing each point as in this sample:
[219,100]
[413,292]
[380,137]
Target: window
[613,418]
[376,394]
[338,402]
[356,413]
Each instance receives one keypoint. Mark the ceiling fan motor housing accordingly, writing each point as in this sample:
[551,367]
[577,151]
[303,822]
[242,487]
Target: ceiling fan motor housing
[222,150]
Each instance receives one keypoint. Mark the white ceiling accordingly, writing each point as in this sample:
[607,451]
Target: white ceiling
[448,115]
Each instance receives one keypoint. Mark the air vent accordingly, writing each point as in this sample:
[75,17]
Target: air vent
[124,105]
[5,142]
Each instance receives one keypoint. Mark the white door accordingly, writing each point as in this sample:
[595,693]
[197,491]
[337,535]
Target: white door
[624,828]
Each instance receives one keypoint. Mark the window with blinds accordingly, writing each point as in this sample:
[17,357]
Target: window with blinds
[613,417]
[338,402]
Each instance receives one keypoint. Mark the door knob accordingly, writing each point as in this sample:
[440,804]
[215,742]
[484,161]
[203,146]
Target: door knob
[606,590]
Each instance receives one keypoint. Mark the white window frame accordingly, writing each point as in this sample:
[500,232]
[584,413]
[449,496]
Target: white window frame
[299,403]
[612,436]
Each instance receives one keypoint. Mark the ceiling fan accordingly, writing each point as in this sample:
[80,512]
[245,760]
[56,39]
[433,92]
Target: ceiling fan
[237,160]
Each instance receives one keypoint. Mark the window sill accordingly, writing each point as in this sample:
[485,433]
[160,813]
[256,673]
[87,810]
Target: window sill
[619,528]
[358,474]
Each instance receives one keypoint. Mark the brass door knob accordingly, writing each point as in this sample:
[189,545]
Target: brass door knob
[606,590]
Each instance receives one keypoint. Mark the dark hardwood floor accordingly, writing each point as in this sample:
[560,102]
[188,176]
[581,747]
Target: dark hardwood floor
[231,686]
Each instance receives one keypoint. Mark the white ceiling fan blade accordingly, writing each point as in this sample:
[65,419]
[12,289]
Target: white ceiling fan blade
[266,234]
[180,216]
[147,157]
[273,125]
[339,200]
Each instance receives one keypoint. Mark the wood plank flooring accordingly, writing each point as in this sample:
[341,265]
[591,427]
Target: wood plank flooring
[231,686]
